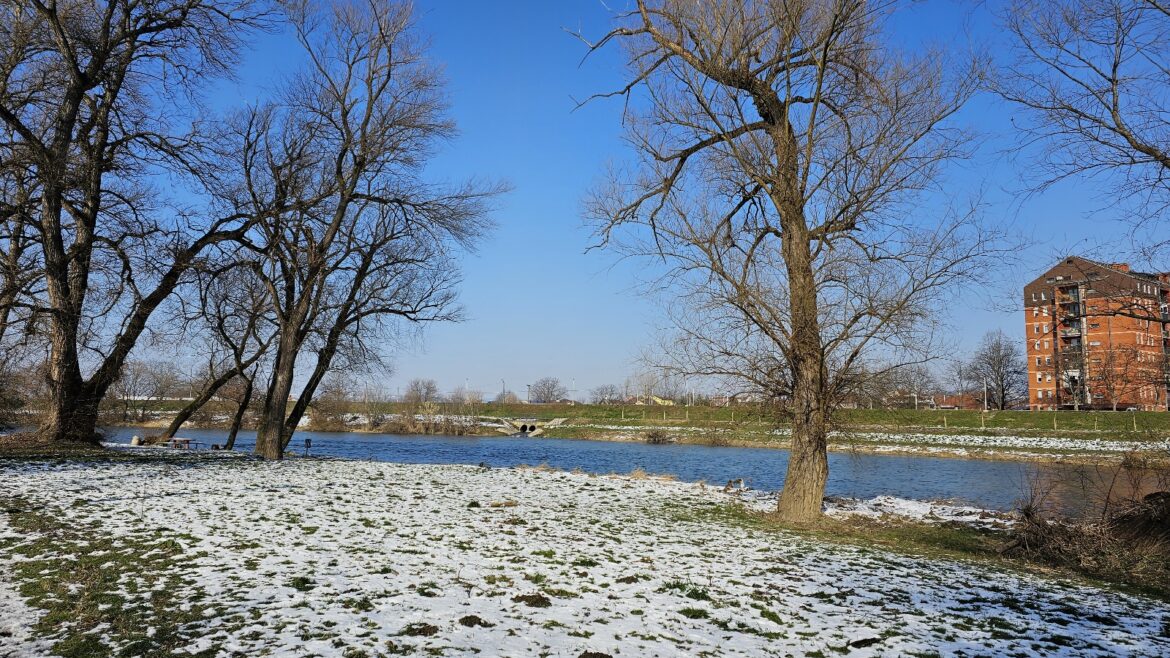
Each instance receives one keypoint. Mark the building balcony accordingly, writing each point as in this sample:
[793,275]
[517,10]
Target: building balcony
[1070,332]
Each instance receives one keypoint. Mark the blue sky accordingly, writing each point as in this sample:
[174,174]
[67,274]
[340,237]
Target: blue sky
[537,302]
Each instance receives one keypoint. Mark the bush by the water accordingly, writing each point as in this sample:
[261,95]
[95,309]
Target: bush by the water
[658,437]
[1126,541]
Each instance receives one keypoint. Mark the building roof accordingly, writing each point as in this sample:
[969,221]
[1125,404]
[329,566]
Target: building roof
[1108,280]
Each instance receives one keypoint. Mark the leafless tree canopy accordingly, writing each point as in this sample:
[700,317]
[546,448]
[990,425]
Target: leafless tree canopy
[95,105]
[998,364]
[351,238]
[779,148]
[547,389]
[1094,79]
[606,394]
[419,391]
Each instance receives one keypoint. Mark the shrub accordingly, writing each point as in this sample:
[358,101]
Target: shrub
[657,437]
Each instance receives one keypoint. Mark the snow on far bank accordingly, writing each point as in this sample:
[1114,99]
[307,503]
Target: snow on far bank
[328,557]
[998,441]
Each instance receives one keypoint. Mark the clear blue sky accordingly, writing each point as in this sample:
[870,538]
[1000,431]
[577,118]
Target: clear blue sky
[538,304]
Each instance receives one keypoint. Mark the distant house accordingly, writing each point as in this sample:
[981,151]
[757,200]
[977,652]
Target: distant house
[959,401]
[645,400]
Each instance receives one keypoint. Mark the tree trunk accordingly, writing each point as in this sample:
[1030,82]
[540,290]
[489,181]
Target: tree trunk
[73,410]
[803,494]
[324,359]
[270,437]
[238,419]
[196,404]
[71,416]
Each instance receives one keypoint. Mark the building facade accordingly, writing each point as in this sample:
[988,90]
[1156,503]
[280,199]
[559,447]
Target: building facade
[1098,337]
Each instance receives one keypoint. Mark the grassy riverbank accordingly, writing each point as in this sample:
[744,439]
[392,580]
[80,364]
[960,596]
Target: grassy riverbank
[1022,435]
[212,555]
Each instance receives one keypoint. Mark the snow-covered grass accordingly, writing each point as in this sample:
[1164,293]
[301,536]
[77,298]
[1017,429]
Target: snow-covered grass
[363,558]
[991,444]
[1062,444]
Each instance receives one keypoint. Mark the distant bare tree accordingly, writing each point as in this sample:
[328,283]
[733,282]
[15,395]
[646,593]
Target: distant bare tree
[999,364]
[419,391]
[780,155]
[547,389]
[463,395]
[1117,375]
[506,397]
[97,100]
[364,243]
[142,384]
[605,394]
[1093,77]
[375,403]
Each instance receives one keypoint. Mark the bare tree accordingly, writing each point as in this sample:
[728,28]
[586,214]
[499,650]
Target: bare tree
[234,316]
[375,405]
[98,98]
[419,391]
[779,153]
[999,367]
[1093,77]
[366,242]
[142,385]
[239,390]
[606,394]
[547,389]
[507,397]
[1117,374]
[18,250]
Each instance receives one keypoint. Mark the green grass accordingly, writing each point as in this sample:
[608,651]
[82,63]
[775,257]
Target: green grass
[84,592]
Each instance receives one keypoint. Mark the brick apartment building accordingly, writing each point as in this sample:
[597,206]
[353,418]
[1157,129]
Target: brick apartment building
[1098,337]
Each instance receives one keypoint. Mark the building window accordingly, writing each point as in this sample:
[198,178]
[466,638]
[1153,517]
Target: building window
[1037,378]
[1045,327]
[1035,311]
[1037,344]
[1043,296]
[1047,360]
[1033,296]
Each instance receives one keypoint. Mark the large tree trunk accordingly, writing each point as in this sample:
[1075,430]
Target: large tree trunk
[72,416]
[73,409]
[324,360]
[270,435]
[238,419]
[803,494]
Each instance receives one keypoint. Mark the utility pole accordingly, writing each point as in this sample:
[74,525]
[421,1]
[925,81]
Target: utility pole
[984,394]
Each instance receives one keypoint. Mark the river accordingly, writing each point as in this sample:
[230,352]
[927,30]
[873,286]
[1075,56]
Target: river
[983,483]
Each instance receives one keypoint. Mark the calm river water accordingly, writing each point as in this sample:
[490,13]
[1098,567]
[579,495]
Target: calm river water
[980,482]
